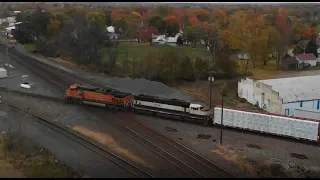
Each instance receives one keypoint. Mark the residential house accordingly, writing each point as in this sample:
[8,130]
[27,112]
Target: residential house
[243,55]
[282,96]
[307,58]
[162,39]
[290,63]
[111,33]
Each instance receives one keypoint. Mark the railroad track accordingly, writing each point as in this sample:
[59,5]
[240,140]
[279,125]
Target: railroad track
[133,169]
[196,165]
[178,155]
[11,91]
[185,159]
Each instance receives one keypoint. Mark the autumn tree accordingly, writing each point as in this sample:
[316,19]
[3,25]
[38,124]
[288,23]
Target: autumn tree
[133,25]
[97,19]
[193,21]
[136,15]
[162,11]
[157,22]
[256,36]
[141,10]
[108,17]
[192,35]
[169,66]
[186,69]
[179,14]
[298,24]
[54,27]
[76,11]
[308,32]
[213,42]
[170,19]
[121,24]
[284,30]
[231,42]
[151,66]
[236,22]
[298,49]
[120,11]
[200,68]
[202,15]
[146,34]
[312,46]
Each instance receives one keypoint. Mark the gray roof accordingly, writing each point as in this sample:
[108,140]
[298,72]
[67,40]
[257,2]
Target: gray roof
[296,88]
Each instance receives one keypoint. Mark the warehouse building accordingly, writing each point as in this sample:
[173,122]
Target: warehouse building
[282,96]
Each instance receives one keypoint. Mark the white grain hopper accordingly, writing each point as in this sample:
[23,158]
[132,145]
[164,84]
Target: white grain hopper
[3,73]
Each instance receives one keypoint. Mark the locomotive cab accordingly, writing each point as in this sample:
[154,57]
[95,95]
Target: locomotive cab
[198,109]
[71,91]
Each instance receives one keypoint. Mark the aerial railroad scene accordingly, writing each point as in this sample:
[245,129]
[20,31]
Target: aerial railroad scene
[159,90]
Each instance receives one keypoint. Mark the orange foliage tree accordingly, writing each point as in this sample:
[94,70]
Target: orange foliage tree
[179,14]
[170,19]
[135,14]
[202,14]
[307,32]
[116,12]
[193,21]
[141,10]
[282,25]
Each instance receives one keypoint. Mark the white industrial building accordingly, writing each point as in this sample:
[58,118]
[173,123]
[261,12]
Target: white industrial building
[282,96]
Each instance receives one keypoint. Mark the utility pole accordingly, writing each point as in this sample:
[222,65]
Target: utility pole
[223,89]
[221,119]
[210,88]
[7,54]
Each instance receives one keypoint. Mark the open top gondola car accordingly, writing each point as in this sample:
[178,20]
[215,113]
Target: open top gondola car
[98,97]
[170,106]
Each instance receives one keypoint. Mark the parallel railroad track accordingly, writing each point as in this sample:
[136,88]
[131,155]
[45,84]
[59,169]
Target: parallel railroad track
[6,90]
[56,69]
[186,160]
[135,170]
[200,165]
[178,155]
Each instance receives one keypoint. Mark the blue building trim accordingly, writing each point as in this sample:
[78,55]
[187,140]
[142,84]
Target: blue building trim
[318,105]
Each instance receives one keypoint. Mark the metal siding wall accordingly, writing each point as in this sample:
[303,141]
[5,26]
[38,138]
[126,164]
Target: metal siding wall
[291,107]
[308,104]
[314,104]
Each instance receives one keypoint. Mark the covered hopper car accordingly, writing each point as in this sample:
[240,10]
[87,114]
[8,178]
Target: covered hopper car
[292,127]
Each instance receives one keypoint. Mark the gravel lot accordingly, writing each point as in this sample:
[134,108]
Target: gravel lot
[272,148]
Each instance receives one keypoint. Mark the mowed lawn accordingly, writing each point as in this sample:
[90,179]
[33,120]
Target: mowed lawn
[137,51]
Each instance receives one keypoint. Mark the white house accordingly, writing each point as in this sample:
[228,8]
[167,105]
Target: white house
[282,96]
[162,39]
[307,58]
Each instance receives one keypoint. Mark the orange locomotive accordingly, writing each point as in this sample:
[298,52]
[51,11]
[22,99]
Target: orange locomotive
[98,97]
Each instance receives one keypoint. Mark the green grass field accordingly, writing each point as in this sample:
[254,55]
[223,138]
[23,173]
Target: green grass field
[140,50]
[30,47]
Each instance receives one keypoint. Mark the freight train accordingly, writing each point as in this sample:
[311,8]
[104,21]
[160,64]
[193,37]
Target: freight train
[292,127]
[126,101]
